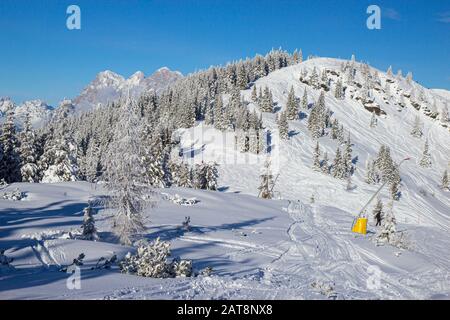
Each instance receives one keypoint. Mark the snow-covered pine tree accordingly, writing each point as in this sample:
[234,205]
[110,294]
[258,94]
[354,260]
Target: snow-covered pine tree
[324,79]
[305,100]
[260,95]
[444,183]
[266,186]
[91,166]
[425,161]
[394,190]
[338,166]
[389,72]
[218,113]
[295,57]
[314,80]
[200,181]
[266,104]
[340,134]
[349,186]
[417,128]
[129,192]
[347,158]
[316,158]
[242,79]
[89,229]
[209,115]
[228,118]
[388,228]
[262,141]
[254,95]
[334,132]
[28,152]
[377,212]
[325,165]
[58,163]
[339,90]
[372,176]
[319,118]
[253,144]
[283,126]
[387,90]
[211,176]
[292,107]
[384,162]
[373,120]
[10,160]
[242,140]
[153,157]
[181,175]
[349,75]
[409,77]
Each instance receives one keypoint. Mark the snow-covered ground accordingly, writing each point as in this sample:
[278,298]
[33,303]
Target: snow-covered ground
[287,248]
[258,249]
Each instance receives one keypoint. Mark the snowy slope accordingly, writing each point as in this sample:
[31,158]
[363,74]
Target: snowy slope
[422,201]
[258,249]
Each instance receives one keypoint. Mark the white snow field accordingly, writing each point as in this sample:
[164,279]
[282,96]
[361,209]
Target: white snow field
[286,248]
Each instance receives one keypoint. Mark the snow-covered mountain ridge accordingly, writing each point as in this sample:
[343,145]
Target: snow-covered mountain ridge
[107,86]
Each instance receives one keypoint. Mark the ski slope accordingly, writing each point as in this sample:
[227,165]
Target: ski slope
[286,248]
[422,202]
[258,249]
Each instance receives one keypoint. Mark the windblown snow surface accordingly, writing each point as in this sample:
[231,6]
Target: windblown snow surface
[285,248]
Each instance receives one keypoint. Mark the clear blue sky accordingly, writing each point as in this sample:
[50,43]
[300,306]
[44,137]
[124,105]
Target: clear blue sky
[41,58]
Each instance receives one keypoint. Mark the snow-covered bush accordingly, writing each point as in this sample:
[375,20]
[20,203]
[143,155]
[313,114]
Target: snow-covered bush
[5,262]
[104,263]
[185,225]
[77,262]
[324,288]
[3,183]
[177,199]
[151,261]
[388,233]
[207,271]
[53,234]
[181,268]
[15,195]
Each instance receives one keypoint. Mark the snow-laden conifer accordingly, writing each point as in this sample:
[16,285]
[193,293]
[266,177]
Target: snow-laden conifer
[425,161]
[130,194]
[88,226]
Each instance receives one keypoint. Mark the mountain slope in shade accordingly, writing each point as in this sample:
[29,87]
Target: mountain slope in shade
[109,86]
